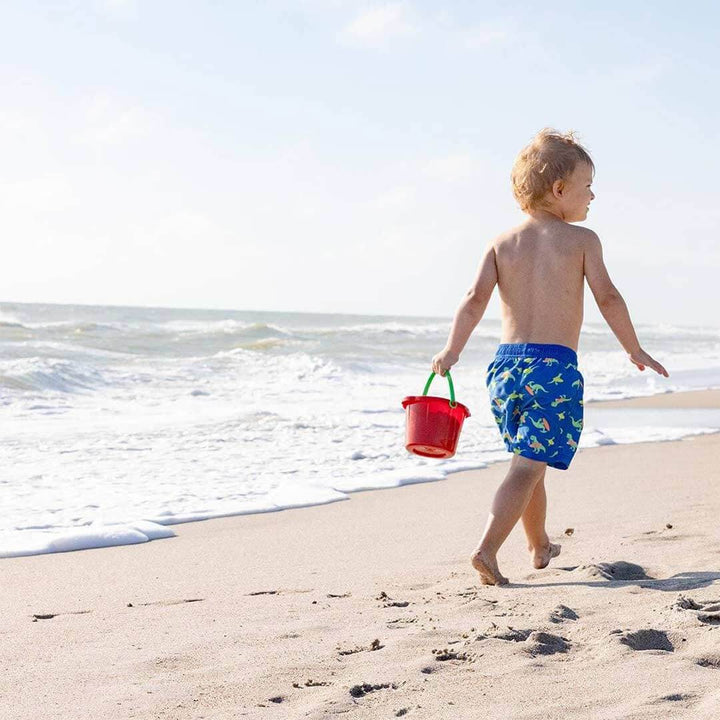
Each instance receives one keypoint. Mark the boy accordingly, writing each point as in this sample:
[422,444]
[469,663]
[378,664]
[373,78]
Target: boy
[534,385]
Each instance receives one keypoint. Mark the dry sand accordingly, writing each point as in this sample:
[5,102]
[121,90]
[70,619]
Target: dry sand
[690,399]
[369,608]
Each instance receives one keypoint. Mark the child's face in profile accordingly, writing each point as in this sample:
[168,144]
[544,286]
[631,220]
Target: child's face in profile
[576,193]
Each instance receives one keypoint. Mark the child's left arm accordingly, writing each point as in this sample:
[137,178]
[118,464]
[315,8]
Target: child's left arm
[469,313]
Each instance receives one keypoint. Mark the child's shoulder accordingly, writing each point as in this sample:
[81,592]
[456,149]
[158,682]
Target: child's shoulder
[530,236]
[582,233]
[552,228]
[585,239]
[531,229]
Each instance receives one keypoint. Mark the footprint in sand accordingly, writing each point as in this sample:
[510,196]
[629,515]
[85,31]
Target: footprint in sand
[363,689]
[311,683]
[428,669]
[544,643]
[619,570]
[709,661]
[536,642]
[562,613]
[401,622]
[389,602]
[706,611]
[374,645]
[508,633]
[471,594]
[447,654]
[645,639]
[681,697]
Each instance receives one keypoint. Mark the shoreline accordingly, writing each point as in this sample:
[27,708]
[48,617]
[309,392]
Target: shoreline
[135,532]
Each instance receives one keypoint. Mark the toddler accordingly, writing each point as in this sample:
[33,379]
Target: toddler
[535,387]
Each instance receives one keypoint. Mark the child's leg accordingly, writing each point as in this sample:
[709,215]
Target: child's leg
[534,523]
[510,502]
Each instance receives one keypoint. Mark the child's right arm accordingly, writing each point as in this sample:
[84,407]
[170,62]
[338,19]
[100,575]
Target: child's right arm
[613,307]
[470,312]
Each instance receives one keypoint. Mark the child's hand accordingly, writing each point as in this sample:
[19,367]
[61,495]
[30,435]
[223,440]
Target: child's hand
[641,359]
[443,361]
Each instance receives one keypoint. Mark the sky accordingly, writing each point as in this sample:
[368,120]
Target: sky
[343,156]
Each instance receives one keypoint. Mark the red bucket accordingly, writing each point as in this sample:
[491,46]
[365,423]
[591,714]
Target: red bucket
[433,423]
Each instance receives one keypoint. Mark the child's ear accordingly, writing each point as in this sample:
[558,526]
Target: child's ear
[557,188]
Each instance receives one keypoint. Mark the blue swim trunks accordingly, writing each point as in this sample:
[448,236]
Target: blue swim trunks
[536,396]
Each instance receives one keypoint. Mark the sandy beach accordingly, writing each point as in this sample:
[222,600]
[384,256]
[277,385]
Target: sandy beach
[689,399]
[369,608]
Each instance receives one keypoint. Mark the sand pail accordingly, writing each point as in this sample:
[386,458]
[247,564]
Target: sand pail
[433,423]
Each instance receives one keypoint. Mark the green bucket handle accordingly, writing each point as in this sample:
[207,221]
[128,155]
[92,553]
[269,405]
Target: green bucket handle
[450,382]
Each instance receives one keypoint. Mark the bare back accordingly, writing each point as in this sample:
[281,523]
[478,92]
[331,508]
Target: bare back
[540,278]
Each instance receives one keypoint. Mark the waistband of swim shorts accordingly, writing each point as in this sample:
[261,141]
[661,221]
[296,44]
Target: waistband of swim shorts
[559,352]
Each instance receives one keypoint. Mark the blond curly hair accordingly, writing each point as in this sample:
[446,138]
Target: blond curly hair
[550,156]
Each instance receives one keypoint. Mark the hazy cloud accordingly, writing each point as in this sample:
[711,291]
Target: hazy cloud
[397,198]
[638,74]
[117,9]
[112,121]
[375,25]
[450,168]
[479,37]
[43,194]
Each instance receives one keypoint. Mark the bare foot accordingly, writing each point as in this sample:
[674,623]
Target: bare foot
[486,565]
[541,556]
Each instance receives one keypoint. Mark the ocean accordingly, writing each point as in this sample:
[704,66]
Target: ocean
[118,422]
